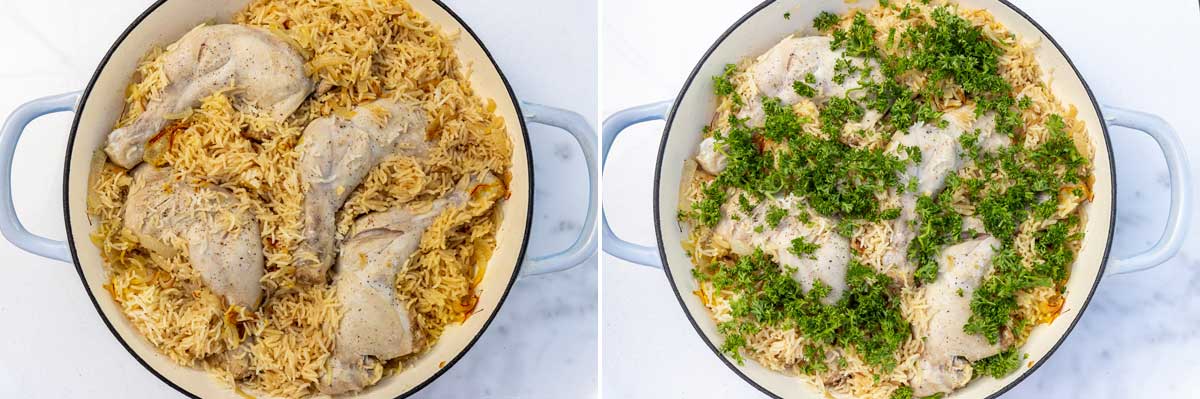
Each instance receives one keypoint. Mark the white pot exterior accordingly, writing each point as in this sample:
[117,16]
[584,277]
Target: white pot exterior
[761,29]
[102,104]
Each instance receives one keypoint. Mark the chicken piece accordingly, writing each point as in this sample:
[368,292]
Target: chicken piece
[266,74]
[941,151]
[775,72]
[792,59]
[828,264]
[941,155]
[709,159]
[337,154]
[221,239]
[376,325]
[773,75]
[945,363]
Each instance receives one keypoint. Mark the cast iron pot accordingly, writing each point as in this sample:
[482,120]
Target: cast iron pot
[762,28]
[98,106]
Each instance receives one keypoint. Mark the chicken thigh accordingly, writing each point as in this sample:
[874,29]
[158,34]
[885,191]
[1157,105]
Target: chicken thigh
[941,154]
[337,154]
[773,75]
[376,324]
[945,363]
[267,76]
[709,158]
[775,72]
[221,239]
[749,232]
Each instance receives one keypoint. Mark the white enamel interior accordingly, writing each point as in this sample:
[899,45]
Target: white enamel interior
[103,105]
[760,32]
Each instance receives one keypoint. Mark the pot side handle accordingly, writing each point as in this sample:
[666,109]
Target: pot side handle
[585,245]
[1179,214]
[613,126]
[14,126]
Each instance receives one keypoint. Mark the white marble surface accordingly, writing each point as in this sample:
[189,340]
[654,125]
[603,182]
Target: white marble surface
[541,344]
[1138,337]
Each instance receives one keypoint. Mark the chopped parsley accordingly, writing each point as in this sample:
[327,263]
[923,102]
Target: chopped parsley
[952,50]
[723,85]
[825,21]
[970,143]
[858,40]
[803,248]
[996,299]
[775,215]
[842,69]
[914,154]
[998,365]
[994,304]
[866,318]
[805,88]
[780,123]
[834,178]
[889,214]
[837,112]
[1024,103]
[938,225]
[1002,213]
[744,204]
[1053,245]
[708,210]
[845,228]
[803,217]
[1038,173]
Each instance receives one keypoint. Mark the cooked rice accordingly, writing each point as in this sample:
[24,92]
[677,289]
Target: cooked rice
[780,350]
[357,51]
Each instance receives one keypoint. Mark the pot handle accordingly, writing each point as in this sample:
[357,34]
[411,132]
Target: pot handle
[1179,214]
[585,245]
[613,126]
[10,225]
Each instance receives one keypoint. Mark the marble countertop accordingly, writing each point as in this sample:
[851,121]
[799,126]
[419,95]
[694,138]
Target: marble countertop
[55,345]
[1138,338]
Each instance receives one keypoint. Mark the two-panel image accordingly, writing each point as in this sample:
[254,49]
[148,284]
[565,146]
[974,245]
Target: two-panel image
[883,199]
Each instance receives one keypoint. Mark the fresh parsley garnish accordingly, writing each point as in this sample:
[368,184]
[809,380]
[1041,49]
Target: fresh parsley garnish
[825,21]
[866,318]
[775,215]
[802,247]
[723,85]
[998,365]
